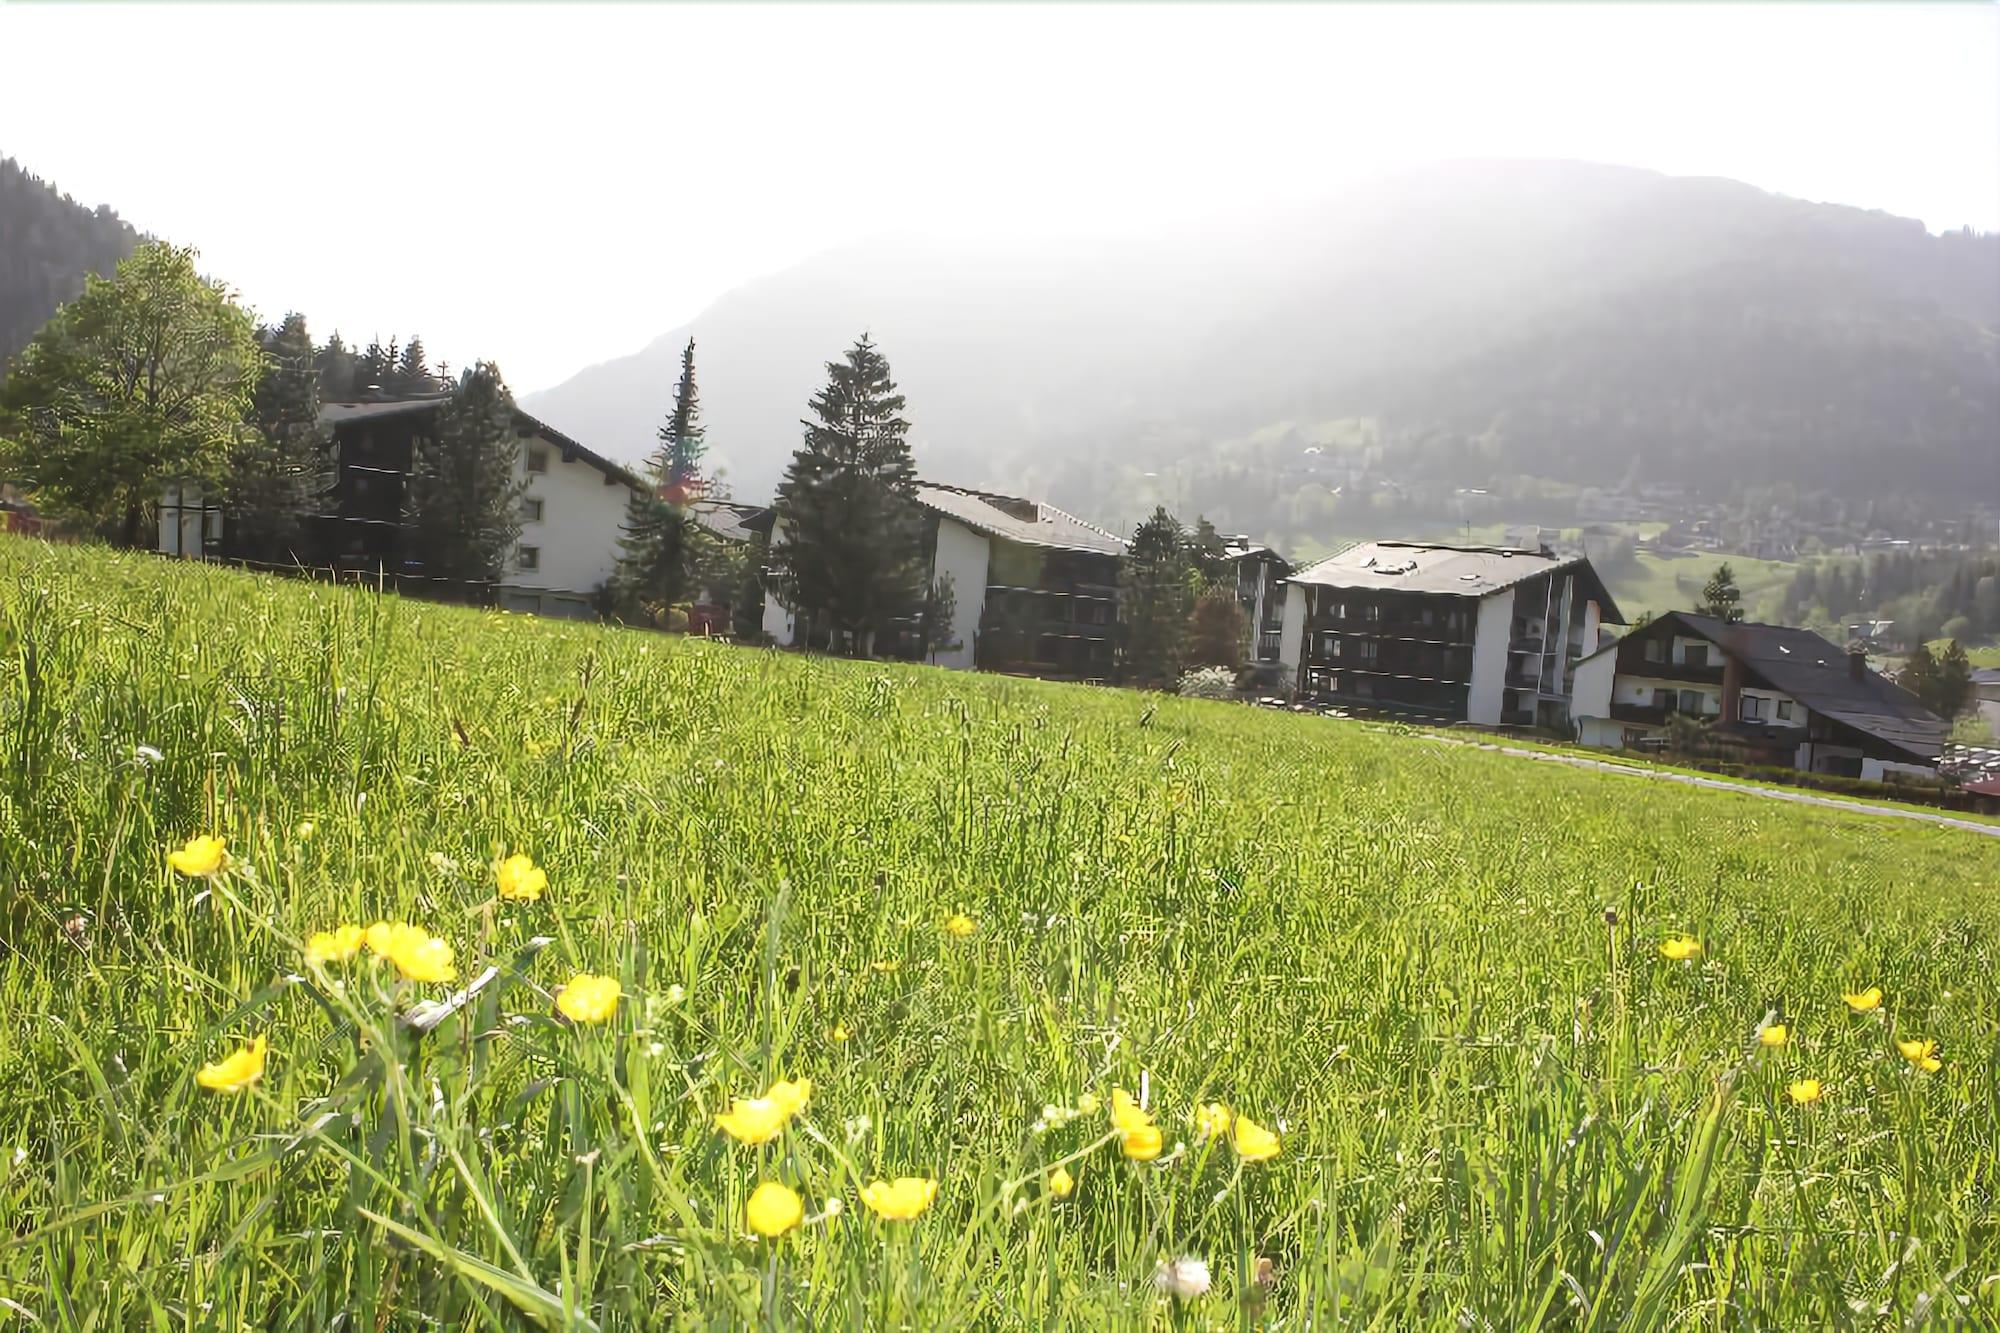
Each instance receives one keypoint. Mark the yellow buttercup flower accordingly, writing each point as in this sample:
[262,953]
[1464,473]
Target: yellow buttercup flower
[887,964]
[1253,1142]
[960,926]
[1061,1183]
[1922,1053]
[520,879]
[901,1199]
[1681,948]
[1212,1121]
[1773,1036]
[1126,1113]
[1862,1002]
[201,857]
[417,954]
[756,1120]
[236,1071]
[1141,1143]
[1806,1091]
[334,946]
[838,1032]
[773,1210]
[589,998]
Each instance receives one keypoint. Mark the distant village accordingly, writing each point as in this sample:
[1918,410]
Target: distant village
[1508,636]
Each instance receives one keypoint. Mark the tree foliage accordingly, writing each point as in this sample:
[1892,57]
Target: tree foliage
[1158,577]
[1720,597]
[462,498]
[1217,630]
[143,380]
[1942,680]
[849,560]
[282,465]
[49,244]
[663,550]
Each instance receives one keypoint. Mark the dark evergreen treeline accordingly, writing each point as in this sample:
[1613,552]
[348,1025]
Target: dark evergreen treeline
[48,243]
[1929,594]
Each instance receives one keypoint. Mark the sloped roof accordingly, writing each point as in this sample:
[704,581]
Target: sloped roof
[1029,522]
[1816,673]
[341,413]
[725,518]
[1436,568]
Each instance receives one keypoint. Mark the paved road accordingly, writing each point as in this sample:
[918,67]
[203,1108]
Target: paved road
[1768,793]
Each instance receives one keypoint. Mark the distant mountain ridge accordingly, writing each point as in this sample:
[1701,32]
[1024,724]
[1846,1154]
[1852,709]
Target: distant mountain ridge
[1601,325]
[48,244]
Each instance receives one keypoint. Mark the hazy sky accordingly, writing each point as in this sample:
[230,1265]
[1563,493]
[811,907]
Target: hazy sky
[553,187]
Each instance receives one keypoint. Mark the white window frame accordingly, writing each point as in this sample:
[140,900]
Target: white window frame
[528,559]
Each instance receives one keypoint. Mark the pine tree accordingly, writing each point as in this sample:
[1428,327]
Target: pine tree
[336,366]
[409,374]
[283,465]
[462,498]
[1719,597]
[849,560]
[1157,576]
[1210,556]
[1951,682]
[662,548]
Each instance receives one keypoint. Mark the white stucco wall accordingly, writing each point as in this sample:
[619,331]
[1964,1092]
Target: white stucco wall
[1594,678]
[1593,624]
[1484,696]
[1600,733]
[778,625]
[1639,691]
[963,554]
[577,534]
[1292,630]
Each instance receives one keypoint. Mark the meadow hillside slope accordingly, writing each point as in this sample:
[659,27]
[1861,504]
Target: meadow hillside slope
[970,910]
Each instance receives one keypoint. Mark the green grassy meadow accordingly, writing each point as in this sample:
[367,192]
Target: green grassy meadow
[1434,971]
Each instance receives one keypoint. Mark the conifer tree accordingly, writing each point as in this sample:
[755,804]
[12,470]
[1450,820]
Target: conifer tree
[409,374]
[336,365]
[1158,575]
[1719,597]
[849,560]
[662,548]
[283,465]
[462,498]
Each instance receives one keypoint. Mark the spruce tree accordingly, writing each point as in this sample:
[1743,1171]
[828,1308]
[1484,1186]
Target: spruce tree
[1719,597]
[409,374]
[662,548]
[1158,575]
[283,465]
[336,365]
[462,498]
[850,558]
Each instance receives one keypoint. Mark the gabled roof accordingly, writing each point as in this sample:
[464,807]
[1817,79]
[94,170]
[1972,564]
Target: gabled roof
[1817,674]
[1029,522]
[1440,569]
[334,415]
[726,519]
[1242,548]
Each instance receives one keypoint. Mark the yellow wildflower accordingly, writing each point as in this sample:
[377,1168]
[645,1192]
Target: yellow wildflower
[520,879]
[236,1071]
[1141,1143]
[1212,1121]
[960,926]
[1805,1091]
[417,954]
[838,1032]
[333,946]
[1061,1183]
[773,1210]
[1922,1053]
[1773,1036]
[202,857]
[759,1119]
[1862,1002]
[1126,1113]
[901,1199]
[1087,1104]
[887,965]
[304,829]
[1680,948]
[1253,1142]
[589,998]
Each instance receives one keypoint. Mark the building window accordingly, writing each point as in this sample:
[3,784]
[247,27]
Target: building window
[1750,709]
[531,510]
[1655,650]
[538,460]
[1784,710]
[1697,654]
[530,559]
[1691,702]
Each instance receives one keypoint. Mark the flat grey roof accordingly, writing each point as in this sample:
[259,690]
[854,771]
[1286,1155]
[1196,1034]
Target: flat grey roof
[1465,571]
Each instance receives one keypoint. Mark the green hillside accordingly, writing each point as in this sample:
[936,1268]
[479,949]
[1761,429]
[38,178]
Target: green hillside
[1434,973]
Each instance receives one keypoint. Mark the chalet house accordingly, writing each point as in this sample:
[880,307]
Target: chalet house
[571,512]
[712,609]
[1260,573]
[1482,634]
[1782,696]
[1035,589]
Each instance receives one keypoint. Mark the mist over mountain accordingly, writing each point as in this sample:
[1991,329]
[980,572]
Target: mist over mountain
[1460,324]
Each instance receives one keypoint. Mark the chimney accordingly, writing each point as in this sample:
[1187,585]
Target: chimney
[1857,662]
